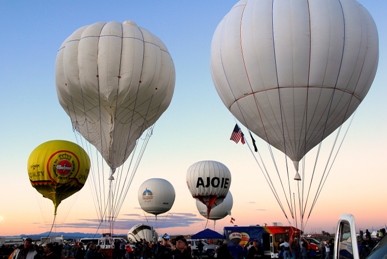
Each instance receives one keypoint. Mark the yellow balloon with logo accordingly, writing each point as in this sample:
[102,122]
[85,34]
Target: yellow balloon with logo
[57,169]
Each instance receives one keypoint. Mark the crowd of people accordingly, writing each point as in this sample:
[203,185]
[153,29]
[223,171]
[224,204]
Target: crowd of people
[29,250]
[166,249]
[177,248]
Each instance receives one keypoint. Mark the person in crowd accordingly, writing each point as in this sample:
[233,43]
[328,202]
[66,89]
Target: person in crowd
[304,250]
[49,252]
[164,250]
[246,249]
[200,249]
[122,250]
[255,251]
[67,250]
[222,252]
[168,250]
[90,253]
[328,249]
[368,235]
[181,250]
[129,252]
[280,249]
[295,248]
[145,251]
[322,249]
[286,249]
[26,251]
[98,253]
[332,247]
[236,251]
[57,249]
[116,250]
[79,251]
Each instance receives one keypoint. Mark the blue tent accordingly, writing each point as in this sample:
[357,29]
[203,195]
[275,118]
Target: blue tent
[207,234]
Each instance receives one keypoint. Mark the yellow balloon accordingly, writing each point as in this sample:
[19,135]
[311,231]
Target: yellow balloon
[57,169]
[245,239]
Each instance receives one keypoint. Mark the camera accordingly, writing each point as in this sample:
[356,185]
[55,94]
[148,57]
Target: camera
[166,237]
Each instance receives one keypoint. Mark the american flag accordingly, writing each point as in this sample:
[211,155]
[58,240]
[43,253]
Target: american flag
[237,135]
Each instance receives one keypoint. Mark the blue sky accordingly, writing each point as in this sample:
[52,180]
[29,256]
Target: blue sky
[196,126]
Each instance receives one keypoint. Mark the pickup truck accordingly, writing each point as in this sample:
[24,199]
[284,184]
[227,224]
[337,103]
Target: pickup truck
[346,242]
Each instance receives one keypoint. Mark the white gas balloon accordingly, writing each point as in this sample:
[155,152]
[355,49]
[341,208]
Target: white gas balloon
[156,196]
[114,81]
[220,211]
[293,71]
[141,231]
[209,182]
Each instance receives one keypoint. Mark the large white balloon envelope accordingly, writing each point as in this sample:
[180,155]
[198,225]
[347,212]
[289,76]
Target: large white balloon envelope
[220,211]
[156,196]
[114,81]
[293,71]
[209,182]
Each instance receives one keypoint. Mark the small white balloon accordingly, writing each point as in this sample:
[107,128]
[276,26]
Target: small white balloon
[209,182]
[156,196]
[219,211]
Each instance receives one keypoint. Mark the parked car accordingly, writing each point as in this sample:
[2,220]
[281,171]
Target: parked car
[208,249]
[312,240]
[313,247]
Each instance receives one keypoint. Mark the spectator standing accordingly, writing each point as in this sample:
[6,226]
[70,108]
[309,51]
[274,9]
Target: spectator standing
[286,249]
[26,251]
[223,252]
[90,253]
[200,249]
[79,251]
[295,248]
[49,252]
[328,249]
[255,251]
[181,250]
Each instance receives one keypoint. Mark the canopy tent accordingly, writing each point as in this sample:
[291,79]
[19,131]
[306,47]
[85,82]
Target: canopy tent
[207,234]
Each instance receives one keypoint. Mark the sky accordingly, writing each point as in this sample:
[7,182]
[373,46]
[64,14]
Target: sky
[196,126]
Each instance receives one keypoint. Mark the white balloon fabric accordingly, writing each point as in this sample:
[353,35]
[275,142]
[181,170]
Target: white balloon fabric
[114,81]
[156,196]
[220,211]
[141,231]
[209,182]
[293,71]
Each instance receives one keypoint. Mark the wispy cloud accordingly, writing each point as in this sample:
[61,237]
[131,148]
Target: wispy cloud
[127,221]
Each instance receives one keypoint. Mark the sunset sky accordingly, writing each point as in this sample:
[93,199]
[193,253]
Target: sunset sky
[196,126]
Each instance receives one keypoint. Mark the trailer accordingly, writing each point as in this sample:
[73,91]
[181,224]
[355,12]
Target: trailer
[268,236]
[45,240]
[11,241]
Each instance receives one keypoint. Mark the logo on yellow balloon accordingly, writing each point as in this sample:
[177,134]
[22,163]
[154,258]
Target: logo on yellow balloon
[62,166]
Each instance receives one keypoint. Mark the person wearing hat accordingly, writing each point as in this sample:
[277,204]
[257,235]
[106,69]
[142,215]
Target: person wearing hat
[181,250]
[26,251]
[255,251]
[48,252]
[164,249]
[167,250]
